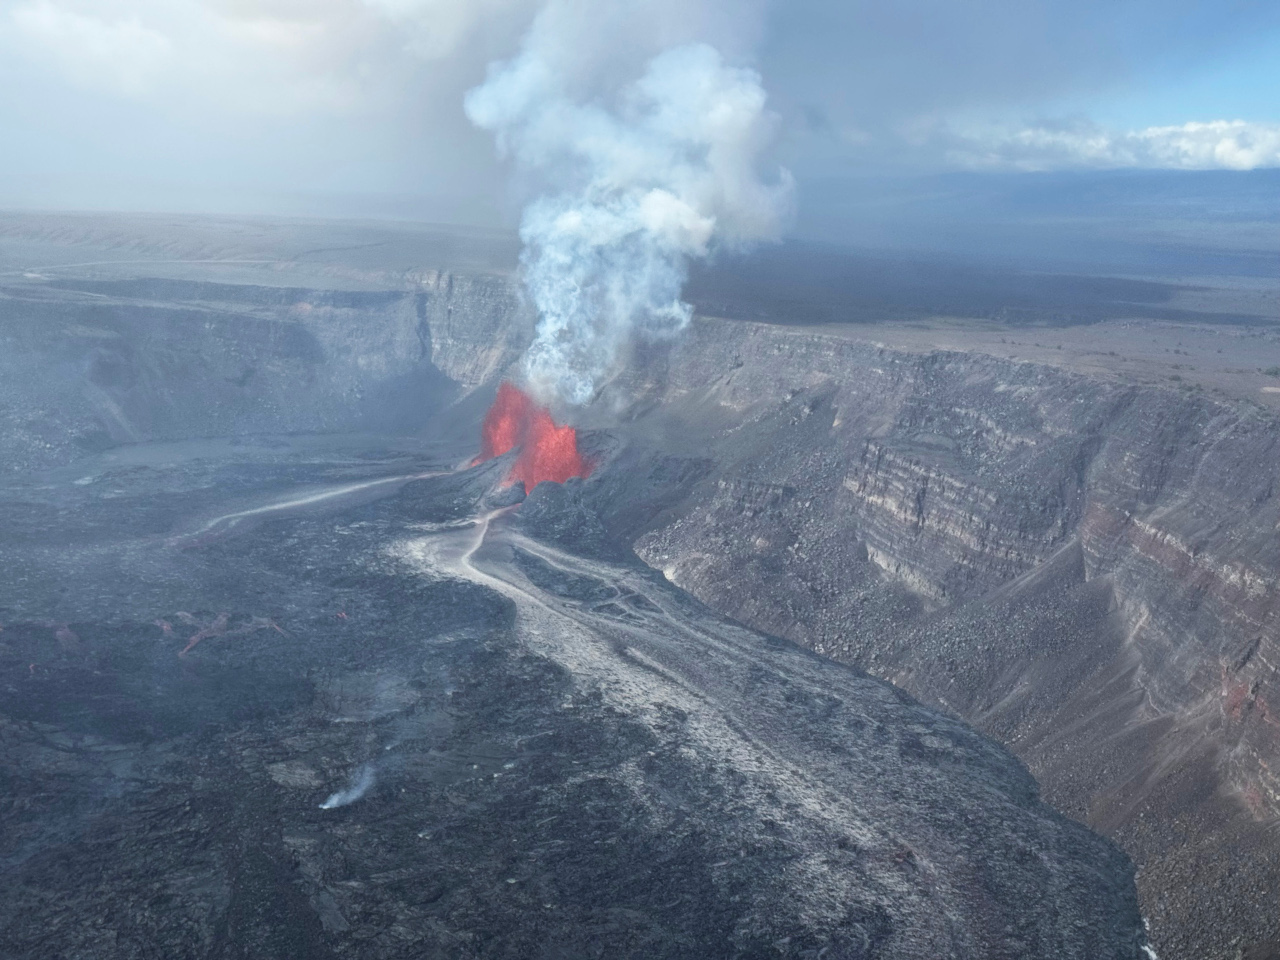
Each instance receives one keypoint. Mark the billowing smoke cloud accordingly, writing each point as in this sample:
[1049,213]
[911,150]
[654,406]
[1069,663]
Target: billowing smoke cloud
[636,185]
[361,783]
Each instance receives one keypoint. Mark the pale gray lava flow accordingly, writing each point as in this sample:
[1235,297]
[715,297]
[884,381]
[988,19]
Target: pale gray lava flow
[283,676]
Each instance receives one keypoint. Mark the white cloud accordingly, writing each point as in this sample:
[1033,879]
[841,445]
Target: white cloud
[256,56]
[1212,145]
[120,54]
[436,28]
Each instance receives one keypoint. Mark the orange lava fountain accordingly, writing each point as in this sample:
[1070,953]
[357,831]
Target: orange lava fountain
[548,451]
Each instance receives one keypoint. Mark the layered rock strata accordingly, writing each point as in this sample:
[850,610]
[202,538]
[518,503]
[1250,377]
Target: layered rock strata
[1083,567]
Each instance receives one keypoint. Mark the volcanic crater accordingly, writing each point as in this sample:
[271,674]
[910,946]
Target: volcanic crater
[321,638]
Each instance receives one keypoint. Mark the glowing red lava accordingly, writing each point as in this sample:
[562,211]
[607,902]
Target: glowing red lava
[548,451]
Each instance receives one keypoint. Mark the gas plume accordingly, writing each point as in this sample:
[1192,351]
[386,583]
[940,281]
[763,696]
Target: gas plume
[639,181]
[361,782]
[547,450]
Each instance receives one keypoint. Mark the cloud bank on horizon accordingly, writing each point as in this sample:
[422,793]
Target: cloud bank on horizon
[1080,144]
[108,100]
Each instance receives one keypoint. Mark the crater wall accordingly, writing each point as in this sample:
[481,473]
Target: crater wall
[89,363]
[1083,567]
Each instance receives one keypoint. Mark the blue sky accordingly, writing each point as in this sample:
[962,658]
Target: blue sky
[1243,83]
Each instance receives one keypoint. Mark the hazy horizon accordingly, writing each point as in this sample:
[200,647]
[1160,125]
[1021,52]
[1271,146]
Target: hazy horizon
[354,108]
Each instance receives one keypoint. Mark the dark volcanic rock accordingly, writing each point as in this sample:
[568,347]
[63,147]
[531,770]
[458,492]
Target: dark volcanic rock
[557,513]
[373,735]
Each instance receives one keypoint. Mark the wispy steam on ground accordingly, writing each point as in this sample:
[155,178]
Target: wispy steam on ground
[361,782]
[662,171]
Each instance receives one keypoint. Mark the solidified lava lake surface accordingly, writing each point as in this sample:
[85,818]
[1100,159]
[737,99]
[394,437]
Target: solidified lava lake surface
[423,718]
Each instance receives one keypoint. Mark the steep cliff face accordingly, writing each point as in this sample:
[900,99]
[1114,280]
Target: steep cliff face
[88,363]
[1084,568]
[476,324]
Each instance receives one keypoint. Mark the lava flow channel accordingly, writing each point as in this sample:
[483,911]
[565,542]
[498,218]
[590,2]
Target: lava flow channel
[548,451]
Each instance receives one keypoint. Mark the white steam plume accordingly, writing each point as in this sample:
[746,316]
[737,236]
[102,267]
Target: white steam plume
[635,189]
[361,782]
